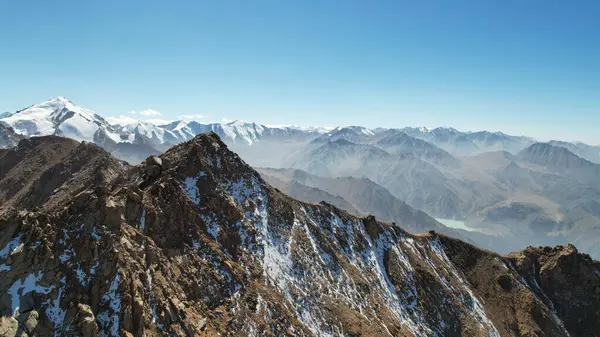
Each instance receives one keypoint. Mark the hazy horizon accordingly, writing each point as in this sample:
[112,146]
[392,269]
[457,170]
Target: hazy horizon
[157,118]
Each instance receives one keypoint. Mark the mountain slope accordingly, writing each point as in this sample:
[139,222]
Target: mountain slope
[370,198]
[498,141]
[307,194]
[397,142]
[561,160]
[363,194]
[449,139]
[588,152]
[42,170]
[411,179]
[196,243]
[338,158]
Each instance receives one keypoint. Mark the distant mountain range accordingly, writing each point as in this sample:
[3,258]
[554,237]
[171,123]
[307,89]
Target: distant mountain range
[538,194]
[61,117]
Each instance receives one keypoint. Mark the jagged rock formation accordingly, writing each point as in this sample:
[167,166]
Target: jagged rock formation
[204,247]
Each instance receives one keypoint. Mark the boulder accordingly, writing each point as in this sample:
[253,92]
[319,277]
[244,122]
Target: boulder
[85,321]
[153,167]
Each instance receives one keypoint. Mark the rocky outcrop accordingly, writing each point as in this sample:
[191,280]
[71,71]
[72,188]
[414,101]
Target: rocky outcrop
[85,321]
[206,247]
[568,281]
[153,167]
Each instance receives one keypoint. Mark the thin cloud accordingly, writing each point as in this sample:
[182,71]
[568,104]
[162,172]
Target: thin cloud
[191,117]
[126,120]
[147,112]
[121,120]
[158,121]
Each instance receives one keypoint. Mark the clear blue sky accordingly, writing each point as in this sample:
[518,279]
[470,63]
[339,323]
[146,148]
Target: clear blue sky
[524,67]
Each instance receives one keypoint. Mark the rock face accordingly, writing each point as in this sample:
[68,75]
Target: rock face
[153,167]
[207,248]
[566,280]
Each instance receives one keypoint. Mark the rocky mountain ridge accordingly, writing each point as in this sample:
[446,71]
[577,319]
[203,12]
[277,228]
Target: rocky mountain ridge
[194,242]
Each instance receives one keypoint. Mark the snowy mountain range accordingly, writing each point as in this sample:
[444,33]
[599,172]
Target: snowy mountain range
[59,116]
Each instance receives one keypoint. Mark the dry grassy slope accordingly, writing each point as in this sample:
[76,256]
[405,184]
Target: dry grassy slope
[208,248]
[44,171]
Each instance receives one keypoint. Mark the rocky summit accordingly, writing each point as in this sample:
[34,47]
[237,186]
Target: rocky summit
[195,243]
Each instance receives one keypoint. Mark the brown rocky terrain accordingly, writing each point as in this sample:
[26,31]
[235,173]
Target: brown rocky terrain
[195,243]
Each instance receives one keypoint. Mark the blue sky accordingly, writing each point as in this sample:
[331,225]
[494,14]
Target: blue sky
[522,67]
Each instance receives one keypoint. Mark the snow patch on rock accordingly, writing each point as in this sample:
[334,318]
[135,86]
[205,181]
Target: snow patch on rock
[109,319]
[11,246]
[24,286]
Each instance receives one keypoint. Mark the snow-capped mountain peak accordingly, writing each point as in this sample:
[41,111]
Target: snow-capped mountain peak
[353,128]
[58,116]
[180,124]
